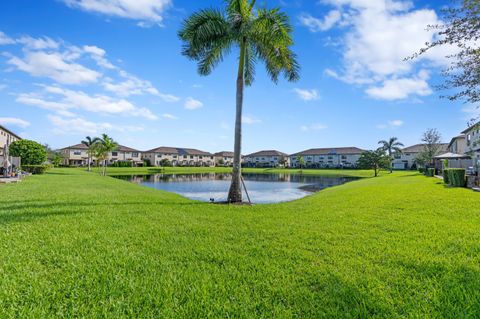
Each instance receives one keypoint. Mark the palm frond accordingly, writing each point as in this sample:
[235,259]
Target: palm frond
[250,62]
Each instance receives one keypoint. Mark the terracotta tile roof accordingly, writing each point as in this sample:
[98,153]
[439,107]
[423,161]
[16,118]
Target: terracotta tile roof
[417,148]
[331,151]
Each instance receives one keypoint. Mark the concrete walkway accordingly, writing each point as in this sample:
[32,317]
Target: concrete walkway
[9,180]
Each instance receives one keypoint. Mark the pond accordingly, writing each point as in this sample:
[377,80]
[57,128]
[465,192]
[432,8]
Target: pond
[262,188]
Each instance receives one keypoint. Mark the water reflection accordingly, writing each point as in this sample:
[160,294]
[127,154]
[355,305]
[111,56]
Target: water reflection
[262,188]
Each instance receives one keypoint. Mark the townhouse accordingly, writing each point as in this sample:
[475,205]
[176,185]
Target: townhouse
[472,138]
[223,158]
[175,156]
[7,137]
[408,158]
[270,158]
[77,155]
[458,145]
[340,157]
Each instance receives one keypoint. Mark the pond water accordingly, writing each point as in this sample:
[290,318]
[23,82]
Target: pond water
[262,188]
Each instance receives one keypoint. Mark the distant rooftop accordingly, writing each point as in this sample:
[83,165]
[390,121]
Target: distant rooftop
[178,151]
[417,148]
[267,153]
[330,151]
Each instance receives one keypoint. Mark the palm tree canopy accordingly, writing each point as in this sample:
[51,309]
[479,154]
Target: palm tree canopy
[89,142]
[393,145]
[265,34]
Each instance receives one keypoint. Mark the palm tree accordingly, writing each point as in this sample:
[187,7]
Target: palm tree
[102,148]
[392,146]
[259,34]
[90,143]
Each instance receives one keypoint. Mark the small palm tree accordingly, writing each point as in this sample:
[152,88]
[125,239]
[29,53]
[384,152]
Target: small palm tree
[259,34]
[90,143]
[392,146]
[102,148]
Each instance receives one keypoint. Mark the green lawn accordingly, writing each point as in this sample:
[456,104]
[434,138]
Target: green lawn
[74,244]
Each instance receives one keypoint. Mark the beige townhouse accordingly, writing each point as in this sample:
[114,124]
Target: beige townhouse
[176,156]
[269,158]
[7,137]
[458,145]
[223,158]
[336,157]
[77,155]
[408,158]
[472,143]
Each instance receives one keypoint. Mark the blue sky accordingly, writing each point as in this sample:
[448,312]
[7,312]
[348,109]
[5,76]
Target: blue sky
[72,68]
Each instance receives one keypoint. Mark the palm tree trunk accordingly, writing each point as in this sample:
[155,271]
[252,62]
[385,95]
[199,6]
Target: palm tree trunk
[104,167]
[89,168]
[235,193]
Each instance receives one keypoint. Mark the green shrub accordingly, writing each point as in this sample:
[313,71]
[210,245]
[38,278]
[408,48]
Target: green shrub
[36,169]
[430,172]
[446,178]
[31,153]
[456,177]
[421,170]
[122,164]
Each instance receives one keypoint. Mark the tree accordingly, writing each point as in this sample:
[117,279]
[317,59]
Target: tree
[301,161]
[31,152]
[90,143]
[53,156]
[432,140]
[375,160]
[283,161]
[460,30]
[102,148]
[165,163]
[259,34]
[391,146]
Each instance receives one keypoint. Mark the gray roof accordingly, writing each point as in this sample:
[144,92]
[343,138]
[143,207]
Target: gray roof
[224,154]
[331,151]
[417,148]
[476,125]
[452,156]
[179,151]
[267,153]
[120,148]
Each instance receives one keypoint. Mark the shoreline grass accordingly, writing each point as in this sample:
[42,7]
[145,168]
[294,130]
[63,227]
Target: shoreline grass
[75,244]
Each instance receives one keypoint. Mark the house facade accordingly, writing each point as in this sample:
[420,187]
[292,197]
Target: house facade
[340,157]
[458,145]
[472,143]
[223,159]
[408,158]
[179,157]
[7,137]
[77,155]
[271,158]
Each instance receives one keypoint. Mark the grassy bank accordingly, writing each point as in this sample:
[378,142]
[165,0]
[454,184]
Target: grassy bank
[195,170]
[74,244]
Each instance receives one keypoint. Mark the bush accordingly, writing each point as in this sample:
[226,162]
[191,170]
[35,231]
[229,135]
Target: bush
[36,169]
[30,152]
[421,170]
[446,178]
[430,172]
[456,177]
[122,164]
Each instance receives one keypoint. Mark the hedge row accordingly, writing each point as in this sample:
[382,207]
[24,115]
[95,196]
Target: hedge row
[455,177]
[36,169]
[430,172]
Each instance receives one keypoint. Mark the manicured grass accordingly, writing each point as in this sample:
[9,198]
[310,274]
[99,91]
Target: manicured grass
[74,244]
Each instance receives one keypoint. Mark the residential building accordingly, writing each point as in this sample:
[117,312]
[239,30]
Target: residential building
[179,157]
[223,159]
[458,145]
[269,158]
[7,137]
[339,157]
[408,158]
[472,139]
[77,155]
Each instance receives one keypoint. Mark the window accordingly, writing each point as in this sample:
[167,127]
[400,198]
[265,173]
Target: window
[185,156]
[134,154]
[77,153]
[114,153]
[174,156]
[191,156]
[344,157]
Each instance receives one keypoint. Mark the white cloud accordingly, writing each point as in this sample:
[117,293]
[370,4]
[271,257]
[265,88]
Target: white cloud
[4,39]
[380,35]
[81,126]
[313,127]
[66,100]
[249,120]
[169,116]
[98,54]
[192,104]
[147,11]
[307,95]
[316,25]
[398,89]
[38,43]
[391,124]
[56,66]
[14,121]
